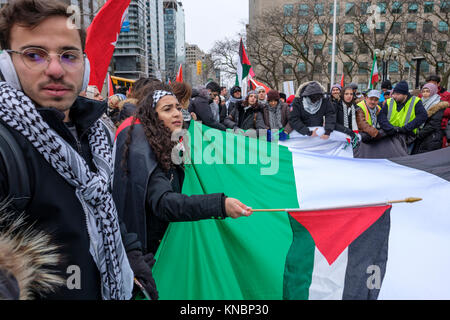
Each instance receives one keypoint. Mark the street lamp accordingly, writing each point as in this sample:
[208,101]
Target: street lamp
[419,62]
[386,56]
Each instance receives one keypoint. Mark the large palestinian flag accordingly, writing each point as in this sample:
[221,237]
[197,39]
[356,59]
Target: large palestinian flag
[362,252]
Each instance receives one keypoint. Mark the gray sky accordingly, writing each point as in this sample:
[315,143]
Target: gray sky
[211,20]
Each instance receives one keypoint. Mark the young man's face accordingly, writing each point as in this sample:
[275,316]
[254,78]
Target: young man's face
[52,84]
[336,93]
[237,94]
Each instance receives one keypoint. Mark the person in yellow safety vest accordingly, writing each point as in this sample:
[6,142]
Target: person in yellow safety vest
[403,113]
[367,117]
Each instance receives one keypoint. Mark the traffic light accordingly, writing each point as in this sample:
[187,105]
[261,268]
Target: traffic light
[199,67]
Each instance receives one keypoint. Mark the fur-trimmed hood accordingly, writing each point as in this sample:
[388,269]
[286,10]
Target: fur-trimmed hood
[437,107]
[25,256]
[303,86]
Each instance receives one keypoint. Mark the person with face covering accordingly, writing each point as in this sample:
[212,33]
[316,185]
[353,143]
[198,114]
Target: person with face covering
[149,174]
[247,114]
[430,135]
[309,109]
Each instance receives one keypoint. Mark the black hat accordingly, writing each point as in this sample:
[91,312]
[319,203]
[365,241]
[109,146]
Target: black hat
[386,84]
[402,88]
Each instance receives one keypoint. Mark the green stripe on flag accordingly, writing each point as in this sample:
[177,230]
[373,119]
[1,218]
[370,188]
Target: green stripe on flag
[299,264]
[230,259]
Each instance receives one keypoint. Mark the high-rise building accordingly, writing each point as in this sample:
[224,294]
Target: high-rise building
[155,39]
[405,30]
[174,37]
[130,59]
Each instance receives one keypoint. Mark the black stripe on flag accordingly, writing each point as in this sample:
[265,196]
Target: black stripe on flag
[367,257]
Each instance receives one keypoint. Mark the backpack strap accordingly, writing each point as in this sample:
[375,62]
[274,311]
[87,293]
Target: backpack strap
[16,170]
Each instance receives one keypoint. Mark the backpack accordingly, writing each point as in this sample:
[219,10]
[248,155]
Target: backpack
[16,170]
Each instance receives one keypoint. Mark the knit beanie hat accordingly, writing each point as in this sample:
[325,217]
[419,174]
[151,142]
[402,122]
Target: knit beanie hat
[432,87]
[402,88]
[336,86]
[273,95]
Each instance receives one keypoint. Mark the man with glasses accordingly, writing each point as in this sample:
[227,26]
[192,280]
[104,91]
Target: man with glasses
[66,152]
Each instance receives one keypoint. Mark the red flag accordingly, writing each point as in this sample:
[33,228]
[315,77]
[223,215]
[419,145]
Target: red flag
[258,84]
[334,230]
[102,36]
[342,81]
[180,74]
[110,87]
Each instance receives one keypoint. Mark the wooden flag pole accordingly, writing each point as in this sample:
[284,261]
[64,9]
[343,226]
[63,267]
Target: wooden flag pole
[407,200]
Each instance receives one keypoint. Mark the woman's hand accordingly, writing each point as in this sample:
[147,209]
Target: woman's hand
[314,133]
[236,209]
[325,137]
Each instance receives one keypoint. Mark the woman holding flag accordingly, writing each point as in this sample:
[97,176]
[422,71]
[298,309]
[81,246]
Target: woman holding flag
[147,181]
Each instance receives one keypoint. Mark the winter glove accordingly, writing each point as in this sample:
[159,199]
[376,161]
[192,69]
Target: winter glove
[381,134]
[365,137]
[142,268]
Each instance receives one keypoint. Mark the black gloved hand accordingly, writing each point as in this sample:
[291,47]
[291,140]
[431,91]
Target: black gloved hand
[381,134]
[365,137]
[142,268]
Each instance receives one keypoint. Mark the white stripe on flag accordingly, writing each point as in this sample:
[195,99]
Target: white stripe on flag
[328,281]
[418,259]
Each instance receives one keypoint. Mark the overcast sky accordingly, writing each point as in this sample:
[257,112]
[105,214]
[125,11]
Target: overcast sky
[211,20]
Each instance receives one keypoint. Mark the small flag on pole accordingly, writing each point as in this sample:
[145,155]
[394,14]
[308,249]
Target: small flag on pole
[180,74]
[374,78]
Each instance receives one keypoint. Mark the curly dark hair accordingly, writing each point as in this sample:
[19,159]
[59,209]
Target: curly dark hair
[158,135]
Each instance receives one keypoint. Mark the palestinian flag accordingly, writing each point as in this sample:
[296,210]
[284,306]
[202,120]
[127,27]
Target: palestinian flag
[244,65]
[374,77]
[362,252]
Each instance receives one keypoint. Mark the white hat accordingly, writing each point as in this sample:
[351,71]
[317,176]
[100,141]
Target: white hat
[374,93]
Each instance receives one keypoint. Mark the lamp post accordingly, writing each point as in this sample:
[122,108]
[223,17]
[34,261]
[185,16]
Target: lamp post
[386,56]
[418,63]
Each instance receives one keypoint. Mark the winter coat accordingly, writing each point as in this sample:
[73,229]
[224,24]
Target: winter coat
[148,198]
[421,117]
[200,106]
[430,136]
[285,110]
[25,255]
[363,125]
[339,109]
[252,118]
[54,207]
[300,119]
[444,126]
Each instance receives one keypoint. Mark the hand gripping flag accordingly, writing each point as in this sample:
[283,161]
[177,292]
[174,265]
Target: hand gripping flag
[102,36]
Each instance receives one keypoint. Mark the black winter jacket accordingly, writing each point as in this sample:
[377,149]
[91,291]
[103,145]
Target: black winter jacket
[300,119]
[200,106]
[54,207]
[148,198]
[251,118]
[430,136]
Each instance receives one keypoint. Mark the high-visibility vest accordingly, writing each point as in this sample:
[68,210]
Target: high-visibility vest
[406,115]
[365,109]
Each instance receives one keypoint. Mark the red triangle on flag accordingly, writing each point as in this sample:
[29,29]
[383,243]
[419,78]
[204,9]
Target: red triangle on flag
[334,230]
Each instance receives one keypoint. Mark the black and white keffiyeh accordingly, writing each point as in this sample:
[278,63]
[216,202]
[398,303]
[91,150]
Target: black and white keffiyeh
[158,94]
[92,189]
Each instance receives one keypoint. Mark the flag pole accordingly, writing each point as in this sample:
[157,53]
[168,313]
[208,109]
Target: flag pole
[407,200]
[333,55]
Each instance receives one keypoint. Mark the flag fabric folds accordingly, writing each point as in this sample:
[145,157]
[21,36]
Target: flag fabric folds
[374,77]
[180,74]
[243,68]
[381,252]
[101,39]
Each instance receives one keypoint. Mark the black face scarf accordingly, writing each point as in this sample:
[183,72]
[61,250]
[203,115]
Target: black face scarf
[315,97]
